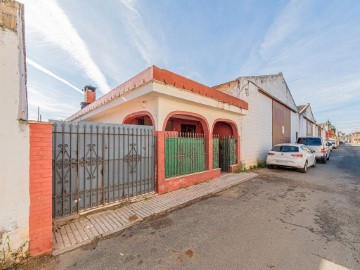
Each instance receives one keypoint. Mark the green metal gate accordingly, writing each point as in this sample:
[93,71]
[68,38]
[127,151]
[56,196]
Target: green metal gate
[224,152]
[184,153]
[215,152]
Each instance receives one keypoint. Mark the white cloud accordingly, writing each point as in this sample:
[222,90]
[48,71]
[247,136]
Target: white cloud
[52,106]
[140,36]
[46,71]
[289,20]
[48,19]
[266,53]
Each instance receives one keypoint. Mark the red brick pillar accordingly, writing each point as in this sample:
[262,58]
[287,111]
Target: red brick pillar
[40,220]
[160,151]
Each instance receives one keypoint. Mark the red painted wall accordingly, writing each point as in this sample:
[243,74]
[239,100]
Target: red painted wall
[135,121]
[177,122]
[222,129]
[40,220]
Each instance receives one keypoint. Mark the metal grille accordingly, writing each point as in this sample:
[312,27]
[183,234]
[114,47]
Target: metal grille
[184,153]
[226,152]
[95,164]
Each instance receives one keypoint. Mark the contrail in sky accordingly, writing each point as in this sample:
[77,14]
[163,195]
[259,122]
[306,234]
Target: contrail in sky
[48,72]
[48,19]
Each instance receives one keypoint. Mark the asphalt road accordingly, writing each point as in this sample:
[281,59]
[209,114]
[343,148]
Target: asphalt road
[282,219]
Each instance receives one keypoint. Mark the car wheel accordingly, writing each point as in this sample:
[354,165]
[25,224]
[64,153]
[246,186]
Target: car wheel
[270,166]
[314,165]
[304,170]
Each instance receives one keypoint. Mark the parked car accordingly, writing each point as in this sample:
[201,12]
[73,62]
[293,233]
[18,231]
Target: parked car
[333,143]
[291,156]
[318,144]
[330,145]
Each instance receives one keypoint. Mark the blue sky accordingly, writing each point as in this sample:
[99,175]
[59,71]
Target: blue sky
[316,44]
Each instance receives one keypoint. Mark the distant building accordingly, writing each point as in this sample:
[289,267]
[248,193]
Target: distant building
[355,137]
[307,122]
[273,116]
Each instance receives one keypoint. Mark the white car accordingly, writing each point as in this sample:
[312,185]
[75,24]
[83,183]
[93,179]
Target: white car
[333,143]
[297,156]
[317,144]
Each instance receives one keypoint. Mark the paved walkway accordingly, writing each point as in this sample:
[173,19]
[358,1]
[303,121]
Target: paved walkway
[72,234]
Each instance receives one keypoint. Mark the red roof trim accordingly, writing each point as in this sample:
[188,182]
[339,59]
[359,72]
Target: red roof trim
[195,87]
[167,77]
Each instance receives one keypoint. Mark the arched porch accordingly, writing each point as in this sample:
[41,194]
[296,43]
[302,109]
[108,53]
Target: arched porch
[142,118]
[186,144]
[226,146]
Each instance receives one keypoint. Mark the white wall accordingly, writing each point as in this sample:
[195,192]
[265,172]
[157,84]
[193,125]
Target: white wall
[275,86]
[315,130]
[294,126]
[169,104]
[117,114]
[256,126]
[302,126]
[160,105]
[14,138]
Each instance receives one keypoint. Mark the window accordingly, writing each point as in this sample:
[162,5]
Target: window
[285,148]
[276,148]
[309,141]
[289,148]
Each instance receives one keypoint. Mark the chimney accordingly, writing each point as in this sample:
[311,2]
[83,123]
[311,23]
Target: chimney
[89,95]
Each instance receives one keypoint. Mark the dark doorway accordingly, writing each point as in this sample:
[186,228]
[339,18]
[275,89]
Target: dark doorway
[188,128]
[224,146]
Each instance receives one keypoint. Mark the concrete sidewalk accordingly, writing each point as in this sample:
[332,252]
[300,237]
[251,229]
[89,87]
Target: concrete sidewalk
[75,233]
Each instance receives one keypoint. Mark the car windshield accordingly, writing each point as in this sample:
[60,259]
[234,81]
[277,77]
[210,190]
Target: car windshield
[309,141]
[285,148]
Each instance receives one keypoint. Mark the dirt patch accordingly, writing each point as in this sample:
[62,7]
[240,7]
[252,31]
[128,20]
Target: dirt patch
[272,178]
[132,218]
[160,223]
[330,225]
[92,245]
[189,253]
[43,262]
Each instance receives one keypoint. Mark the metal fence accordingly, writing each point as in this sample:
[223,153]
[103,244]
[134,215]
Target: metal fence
[224,152]
[95,164]
[215,152]
[184,153]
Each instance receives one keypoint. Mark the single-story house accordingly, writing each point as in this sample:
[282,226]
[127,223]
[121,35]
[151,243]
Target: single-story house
[176,107]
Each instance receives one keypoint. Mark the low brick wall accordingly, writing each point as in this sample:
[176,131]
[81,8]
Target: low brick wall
[40,220]
[178,182]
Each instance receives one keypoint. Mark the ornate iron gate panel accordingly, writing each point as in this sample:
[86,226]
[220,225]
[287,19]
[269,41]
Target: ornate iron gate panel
[95,164]
[227,153]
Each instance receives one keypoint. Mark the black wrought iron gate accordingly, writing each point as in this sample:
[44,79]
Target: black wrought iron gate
[95,164]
